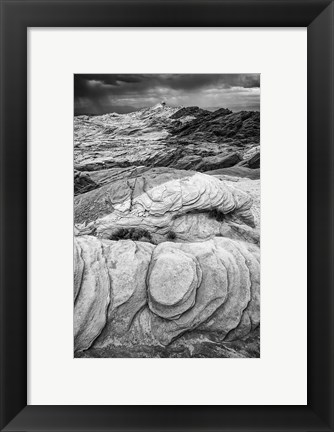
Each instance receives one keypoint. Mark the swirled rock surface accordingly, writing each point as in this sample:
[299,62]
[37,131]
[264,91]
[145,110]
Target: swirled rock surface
[188,205]
[176,295]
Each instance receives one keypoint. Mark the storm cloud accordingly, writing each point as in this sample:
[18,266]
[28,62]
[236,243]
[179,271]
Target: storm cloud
[121,93]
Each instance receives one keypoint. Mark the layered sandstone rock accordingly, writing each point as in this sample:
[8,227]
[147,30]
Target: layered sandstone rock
[163,201]
[132,293]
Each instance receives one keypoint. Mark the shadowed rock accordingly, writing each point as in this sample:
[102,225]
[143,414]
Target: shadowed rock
[237,171]
[219,161]
[222,125]
[253,162]
[190,111]
[83,183]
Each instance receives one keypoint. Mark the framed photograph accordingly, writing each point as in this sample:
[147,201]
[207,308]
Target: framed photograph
[168,193]
[166,215]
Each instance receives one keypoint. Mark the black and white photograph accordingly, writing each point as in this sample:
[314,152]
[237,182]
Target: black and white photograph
[167,215]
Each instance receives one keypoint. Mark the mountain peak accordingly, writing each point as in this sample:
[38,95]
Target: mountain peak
[160,105]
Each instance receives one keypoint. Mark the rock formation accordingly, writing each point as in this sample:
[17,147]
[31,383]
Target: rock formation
[189,204]
[167,233]
[129,293]
[161,136]
[83,183]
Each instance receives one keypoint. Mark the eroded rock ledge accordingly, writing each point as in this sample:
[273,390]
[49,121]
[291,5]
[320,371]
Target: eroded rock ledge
[192,206]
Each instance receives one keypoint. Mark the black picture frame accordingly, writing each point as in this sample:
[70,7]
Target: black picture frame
[16,17]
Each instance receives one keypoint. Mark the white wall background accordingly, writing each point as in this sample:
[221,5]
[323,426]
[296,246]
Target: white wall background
[279,377]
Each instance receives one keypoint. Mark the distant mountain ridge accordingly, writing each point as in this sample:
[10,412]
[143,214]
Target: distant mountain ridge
[127,109]
[166,136]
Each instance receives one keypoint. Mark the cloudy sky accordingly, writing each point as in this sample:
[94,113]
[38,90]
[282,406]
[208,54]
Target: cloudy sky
[103,93]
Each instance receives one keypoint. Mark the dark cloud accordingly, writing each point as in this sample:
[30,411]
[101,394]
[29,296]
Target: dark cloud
[101,93]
